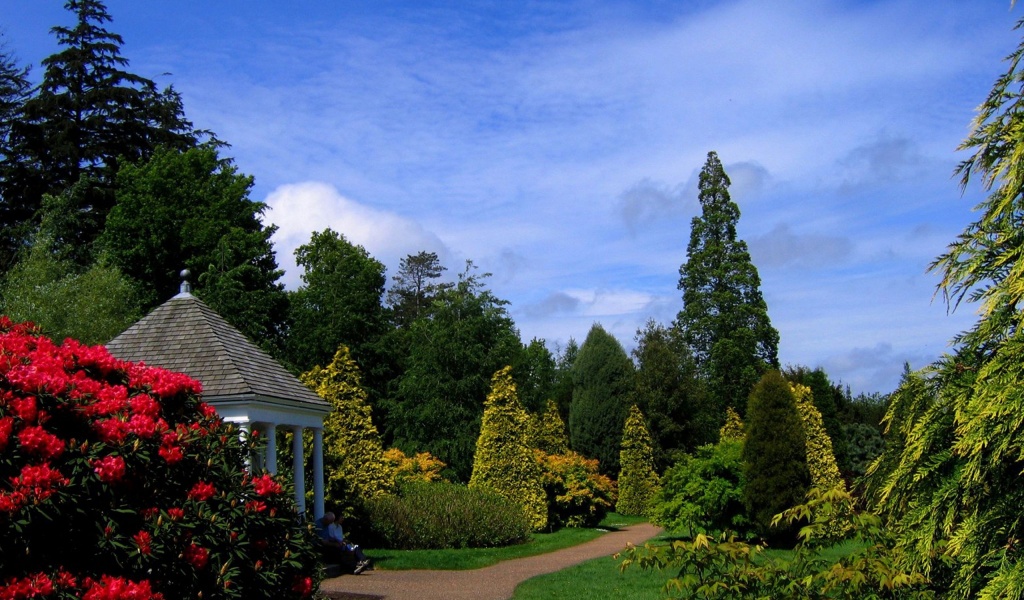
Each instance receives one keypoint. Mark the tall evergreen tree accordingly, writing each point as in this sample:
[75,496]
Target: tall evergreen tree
[549,434]
[14,92]
[414,287]
[339,302]
[670,393]
[724,318]
[436,404]
[534,372]
[951,484]
[562,390]
[638,481]
[88,114]
[503,461]
[353,455]
[774,455]
[602,383]
[192,210]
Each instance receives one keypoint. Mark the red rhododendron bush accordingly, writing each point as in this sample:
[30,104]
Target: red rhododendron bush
[117,481]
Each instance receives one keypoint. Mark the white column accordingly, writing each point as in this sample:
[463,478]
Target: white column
[298,470]
[271,433]
[318,473]
[243,434]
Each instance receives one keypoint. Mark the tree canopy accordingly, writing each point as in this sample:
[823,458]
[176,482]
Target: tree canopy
[724,318]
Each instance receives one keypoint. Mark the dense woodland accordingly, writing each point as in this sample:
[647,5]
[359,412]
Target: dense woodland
[107,191]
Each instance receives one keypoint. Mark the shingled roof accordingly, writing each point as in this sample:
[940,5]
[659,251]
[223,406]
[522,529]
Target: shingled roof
[185,335]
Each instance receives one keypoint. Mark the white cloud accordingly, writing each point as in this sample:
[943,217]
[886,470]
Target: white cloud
[300,209]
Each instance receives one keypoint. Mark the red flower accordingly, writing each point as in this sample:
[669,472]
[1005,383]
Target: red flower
[39,442]
[109,468]
[38,480]
[25,409]
[111,431]
[266,486]
[118,588]
[171,454]
[202,491]
[175,513]
[255,506]
[6,426]
[303,586]
[143,540]
[144,404]
[197,556]
[12,501]
[142,425]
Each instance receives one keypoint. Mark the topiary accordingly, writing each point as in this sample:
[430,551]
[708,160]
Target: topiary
[638,482]
[504,460]
[116,480]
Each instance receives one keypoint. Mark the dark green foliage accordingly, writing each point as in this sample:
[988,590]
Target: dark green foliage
[192,210]
[865,444]
[724,318]
[535,372]
[88,116]
[774,455]
[338,303]
[703,493]
[602,376]
[14,92]
[446,515]
[669,391]
[561,392]
[438,397]
[414,289]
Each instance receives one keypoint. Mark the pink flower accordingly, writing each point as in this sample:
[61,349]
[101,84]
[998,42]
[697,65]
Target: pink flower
[110,469]
[197,556]
[202,491]
[266,486]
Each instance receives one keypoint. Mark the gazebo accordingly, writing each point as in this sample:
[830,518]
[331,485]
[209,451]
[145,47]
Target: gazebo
[243,383]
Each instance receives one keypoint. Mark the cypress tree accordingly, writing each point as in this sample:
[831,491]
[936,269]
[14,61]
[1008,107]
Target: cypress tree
[504,461]
[602,377]
[724,317]
[774,455]
[549,431]
[638,481]
[353,454]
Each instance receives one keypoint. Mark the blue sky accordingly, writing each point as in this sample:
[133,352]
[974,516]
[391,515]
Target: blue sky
[556,145]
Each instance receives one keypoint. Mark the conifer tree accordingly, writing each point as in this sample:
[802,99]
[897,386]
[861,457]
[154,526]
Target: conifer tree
[504,461]
[602,383]
[14,92]
[638,481]
[774,455]
[821,462]
[549,431]
[733,430]
[354,460]
[724,317]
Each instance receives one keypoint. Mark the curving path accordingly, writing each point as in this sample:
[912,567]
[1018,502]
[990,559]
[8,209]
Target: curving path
[496,582]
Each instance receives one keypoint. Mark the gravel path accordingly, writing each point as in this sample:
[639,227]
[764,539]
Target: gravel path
[497,582]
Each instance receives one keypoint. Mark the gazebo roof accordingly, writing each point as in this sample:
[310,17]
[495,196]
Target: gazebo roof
[185,335]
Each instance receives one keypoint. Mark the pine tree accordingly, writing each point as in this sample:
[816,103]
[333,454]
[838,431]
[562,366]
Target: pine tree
[88,115]
[602,382]
[504,461]
[14,92]
[638,481]
[724,317]
[353,455]
[414,289]
[774,455]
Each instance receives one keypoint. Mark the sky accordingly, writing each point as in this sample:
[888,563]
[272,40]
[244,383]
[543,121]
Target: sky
[556,145]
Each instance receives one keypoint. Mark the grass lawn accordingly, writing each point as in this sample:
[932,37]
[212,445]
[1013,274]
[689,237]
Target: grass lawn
[597,578]
[476,558]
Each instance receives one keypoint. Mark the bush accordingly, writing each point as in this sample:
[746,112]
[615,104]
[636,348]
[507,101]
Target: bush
[577,494]
[445,515]
[420,467]
[116,480]
[703,493]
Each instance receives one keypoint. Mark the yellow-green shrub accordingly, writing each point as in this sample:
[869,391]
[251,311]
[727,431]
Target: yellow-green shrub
[638,481]
[732,431]
[549,431]
[578,495]
[421,467]
[504,460]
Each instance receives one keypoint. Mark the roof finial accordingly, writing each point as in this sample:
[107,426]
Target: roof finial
[186,287]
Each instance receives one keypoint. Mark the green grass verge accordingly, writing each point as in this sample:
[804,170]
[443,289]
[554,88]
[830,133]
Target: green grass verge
[597,578]
[476,558]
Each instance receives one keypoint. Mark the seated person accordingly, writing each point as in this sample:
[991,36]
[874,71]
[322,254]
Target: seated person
[336,547]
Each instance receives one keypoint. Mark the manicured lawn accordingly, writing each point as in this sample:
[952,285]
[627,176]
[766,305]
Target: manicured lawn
[597,578]
[476,558]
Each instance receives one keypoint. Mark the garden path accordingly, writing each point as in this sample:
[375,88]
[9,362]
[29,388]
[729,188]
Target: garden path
[496,582]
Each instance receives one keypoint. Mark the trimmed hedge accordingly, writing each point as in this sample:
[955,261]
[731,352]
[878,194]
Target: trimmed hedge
[445,515]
